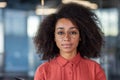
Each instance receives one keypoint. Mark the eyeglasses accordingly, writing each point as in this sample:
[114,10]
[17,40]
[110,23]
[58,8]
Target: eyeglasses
[70,34]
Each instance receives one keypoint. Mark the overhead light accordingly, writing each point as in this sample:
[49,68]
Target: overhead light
[3,4]
[85,3]
[44,11]
[42,2]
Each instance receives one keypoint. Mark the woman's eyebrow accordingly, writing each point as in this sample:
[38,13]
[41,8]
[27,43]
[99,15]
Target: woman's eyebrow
[60,28]
[70,28]
[73,28]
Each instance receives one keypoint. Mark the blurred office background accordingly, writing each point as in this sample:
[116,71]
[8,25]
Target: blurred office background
[19,20]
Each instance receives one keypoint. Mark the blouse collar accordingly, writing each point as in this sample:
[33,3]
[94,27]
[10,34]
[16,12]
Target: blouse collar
[75,60]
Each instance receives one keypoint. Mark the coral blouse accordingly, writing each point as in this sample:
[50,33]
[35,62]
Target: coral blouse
[77,68]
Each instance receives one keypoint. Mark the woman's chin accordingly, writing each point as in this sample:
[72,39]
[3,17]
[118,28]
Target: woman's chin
[67,50]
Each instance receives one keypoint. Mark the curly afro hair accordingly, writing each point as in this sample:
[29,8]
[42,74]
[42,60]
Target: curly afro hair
[88,26]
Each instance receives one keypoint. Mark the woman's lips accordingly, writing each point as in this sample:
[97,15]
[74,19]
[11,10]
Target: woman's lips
[66,45]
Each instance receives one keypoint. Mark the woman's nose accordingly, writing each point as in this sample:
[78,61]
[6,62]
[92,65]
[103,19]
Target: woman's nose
[67,36]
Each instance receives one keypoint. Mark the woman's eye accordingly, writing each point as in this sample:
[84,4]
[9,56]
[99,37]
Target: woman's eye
[73,33]
[60,33]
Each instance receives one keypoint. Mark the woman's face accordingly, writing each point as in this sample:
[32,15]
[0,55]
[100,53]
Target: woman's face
[67,36]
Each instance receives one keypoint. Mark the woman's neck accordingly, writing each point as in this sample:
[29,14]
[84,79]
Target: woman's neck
[68,56]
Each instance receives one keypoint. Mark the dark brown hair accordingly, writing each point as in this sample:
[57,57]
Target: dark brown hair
[88,26]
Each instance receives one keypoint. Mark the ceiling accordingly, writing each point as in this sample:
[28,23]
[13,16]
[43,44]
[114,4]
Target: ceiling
[31,4]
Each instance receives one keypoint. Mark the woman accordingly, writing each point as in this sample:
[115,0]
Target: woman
[67,39]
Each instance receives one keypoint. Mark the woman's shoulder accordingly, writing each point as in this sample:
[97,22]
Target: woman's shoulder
[93,65]
[91,61]
[40,71]
[46,64]
[42,67]
[95,68]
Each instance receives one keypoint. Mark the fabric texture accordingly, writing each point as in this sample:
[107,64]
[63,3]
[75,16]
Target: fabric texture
[77,68]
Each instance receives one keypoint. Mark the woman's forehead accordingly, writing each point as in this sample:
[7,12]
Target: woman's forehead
[64,22]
